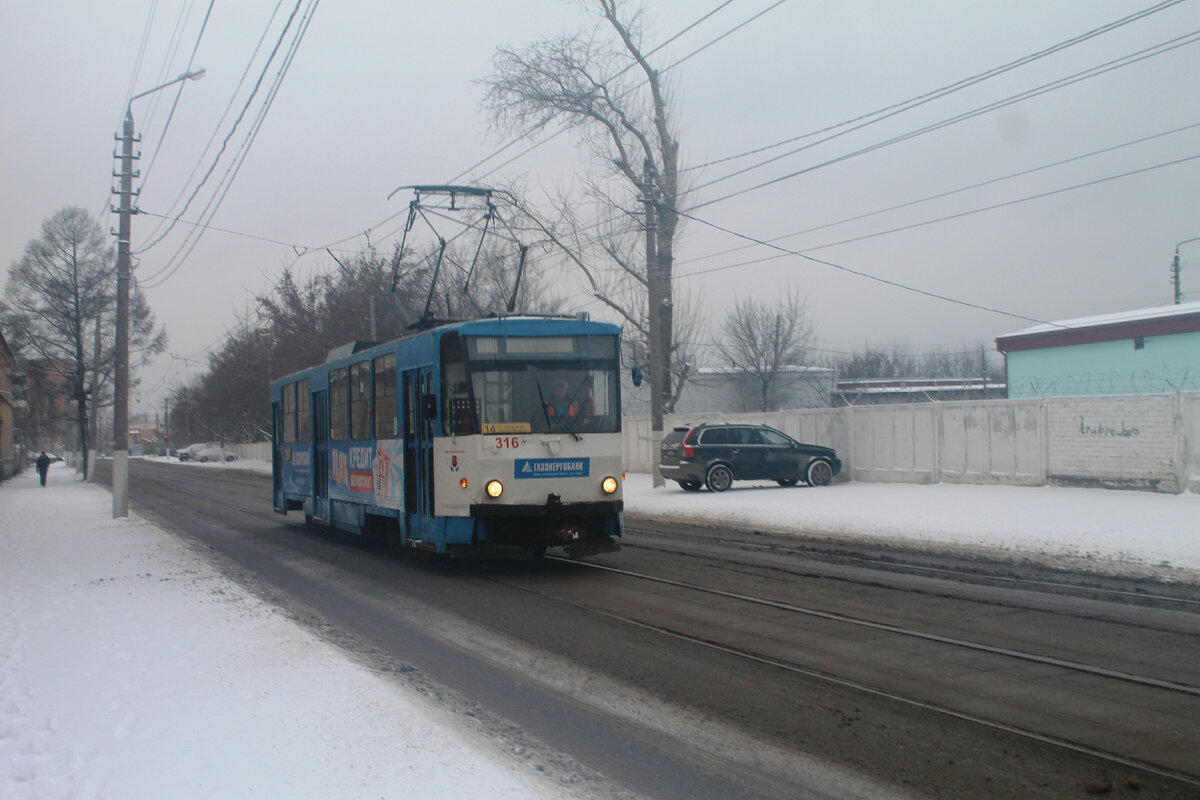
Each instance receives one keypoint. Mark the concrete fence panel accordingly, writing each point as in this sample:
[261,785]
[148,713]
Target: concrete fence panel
[1190,414]
[252,451]
[1135,441]
[1121,442]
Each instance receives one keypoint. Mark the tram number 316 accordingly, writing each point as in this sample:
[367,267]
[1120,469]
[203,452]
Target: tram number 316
[507,442]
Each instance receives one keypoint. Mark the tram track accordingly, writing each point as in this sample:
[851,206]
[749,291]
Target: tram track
[898,561]
[902,631]
[873,691]
[1092,734]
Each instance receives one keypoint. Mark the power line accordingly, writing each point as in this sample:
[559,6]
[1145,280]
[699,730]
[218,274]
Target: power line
[785,251]
[178,94]
[529,132]
[671,66]
[1133,58]
[1101,69]
[225,142]
[860,273]
[226,182]
[913,102]
[951,192]
[304,250]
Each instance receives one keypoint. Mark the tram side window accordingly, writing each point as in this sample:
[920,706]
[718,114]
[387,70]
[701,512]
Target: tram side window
[360,395]
[387,425]
[303,418]
[337,405]
[289,413]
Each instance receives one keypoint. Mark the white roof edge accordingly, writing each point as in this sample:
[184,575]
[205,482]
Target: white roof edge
[1137,315]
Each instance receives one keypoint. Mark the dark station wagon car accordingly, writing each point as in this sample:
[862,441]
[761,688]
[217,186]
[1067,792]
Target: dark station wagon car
[717,455]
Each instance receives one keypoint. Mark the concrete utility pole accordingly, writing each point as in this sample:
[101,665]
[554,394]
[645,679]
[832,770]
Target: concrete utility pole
[1175,267]
[655,295]
[125,210]
[94,420]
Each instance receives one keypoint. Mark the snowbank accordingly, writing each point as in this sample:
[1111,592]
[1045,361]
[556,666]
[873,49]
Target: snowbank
[1109,531]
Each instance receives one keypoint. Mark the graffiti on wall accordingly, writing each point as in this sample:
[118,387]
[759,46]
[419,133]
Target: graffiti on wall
[1100,429]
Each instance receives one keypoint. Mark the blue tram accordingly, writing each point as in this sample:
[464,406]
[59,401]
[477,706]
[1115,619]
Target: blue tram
[496,437]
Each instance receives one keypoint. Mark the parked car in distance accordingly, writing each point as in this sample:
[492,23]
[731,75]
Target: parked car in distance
[189,453]
[213,454]
[717,455]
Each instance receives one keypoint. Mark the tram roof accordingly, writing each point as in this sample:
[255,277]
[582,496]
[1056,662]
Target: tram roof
[491,326]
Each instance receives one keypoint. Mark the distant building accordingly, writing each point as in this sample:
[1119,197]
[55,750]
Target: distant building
[47,421]
[721,390]
[1149,351]
[878,391]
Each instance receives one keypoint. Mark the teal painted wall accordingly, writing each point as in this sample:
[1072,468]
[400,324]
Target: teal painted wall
[1165,365]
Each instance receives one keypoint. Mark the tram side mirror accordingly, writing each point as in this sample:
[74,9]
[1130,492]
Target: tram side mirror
[636,374]
[429,406]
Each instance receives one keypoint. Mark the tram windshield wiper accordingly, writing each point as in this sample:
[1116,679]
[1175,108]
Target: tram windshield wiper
[561,420]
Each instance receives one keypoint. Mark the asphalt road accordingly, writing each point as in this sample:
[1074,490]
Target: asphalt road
[705,663]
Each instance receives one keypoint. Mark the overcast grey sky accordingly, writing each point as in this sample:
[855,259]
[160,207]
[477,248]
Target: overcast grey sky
[381,95]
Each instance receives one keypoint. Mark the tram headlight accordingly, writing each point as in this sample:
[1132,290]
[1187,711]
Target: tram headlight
[609,485]
[494,488]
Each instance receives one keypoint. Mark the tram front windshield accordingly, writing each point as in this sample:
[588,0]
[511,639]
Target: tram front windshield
[562,384]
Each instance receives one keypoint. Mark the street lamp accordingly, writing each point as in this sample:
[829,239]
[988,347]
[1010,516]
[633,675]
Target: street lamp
[1175,267]
[125,210]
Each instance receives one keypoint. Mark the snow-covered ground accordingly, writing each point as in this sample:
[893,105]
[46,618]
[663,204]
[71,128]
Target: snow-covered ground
[130,668]
[1122,532]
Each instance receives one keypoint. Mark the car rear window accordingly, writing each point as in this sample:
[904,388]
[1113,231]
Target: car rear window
[675,436]
[715,436]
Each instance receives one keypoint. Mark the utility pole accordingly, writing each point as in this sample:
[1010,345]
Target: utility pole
[125,210]
[94,433]
[1175,269]
[655,295]
[1175,277]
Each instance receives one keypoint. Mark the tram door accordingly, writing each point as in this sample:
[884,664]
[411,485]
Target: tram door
[418,454]
[276,461]
[320,466]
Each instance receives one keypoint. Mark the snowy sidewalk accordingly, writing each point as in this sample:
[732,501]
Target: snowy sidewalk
[131,669]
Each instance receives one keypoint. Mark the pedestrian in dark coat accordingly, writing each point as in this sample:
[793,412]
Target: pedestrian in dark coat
[43,465]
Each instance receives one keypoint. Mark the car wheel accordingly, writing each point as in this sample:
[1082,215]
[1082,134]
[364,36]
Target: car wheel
[819,473]
[230,458]
[787,481]
[203,459]
[719,478]
[690,486]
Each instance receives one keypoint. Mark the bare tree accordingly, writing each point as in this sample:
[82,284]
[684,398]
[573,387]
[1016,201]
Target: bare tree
[299,321]
[759,339]
[610,94]
[57,292]
[881,362]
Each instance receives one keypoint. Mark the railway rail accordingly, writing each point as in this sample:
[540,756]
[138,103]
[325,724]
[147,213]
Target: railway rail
[981,572]
[1085,706]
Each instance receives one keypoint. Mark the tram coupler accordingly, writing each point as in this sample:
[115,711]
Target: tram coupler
[554,509]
